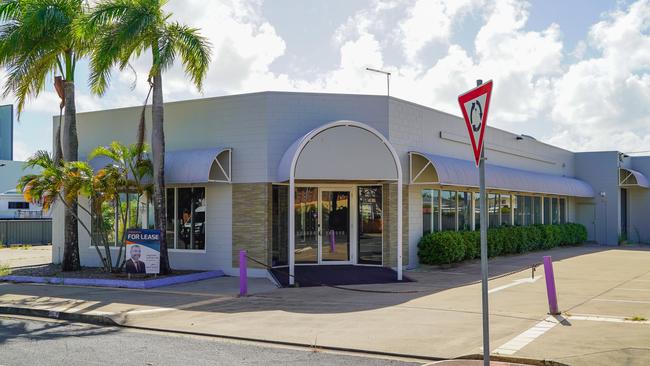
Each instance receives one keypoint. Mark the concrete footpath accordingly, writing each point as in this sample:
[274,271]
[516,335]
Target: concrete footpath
[440,320]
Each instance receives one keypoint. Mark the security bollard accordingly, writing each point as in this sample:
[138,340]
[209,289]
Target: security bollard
[550,286]
[243,275]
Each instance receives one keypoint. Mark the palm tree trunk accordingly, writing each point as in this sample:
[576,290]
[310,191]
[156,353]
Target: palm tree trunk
[70,145]
[56,149]
[158,154]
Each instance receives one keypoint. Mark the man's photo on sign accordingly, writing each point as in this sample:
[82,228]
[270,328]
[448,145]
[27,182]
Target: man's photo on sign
[134,264]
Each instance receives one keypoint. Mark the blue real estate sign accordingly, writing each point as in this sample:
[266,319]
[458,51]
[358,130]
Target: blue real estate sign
[142,251]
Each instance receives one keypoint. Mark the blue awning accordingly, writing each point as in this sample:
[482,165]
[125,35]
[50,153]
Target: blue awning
[190,166]
[456,172]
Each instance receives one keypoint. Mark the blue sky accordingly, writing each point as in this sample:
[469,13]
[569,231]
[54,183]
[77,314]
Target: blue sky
[572,73]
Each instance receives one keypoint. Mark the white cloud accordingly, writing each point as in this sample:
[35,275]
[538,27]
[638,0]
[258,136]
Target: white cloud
[603,102]
[580,102]
[431,20]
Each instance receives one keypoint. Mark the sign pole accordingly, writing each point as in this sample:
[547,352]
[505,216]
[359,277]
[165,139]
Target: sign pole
[484,254]
[475,104]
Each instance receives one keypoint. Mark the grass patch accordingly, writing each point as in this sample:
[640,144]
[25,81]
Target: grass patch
[4,270]
[21,247]
[637,318]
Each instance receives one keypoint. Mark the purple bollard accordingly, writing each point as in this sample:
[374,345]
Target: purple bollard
[243,275]
[550,285]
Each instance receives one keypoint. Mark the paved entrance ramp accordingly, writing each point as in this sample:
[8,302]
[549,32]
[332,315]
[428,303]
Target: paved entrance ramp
[337,275]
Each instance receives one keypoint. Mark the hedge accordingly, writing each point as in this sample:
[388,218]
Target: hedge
[446,247]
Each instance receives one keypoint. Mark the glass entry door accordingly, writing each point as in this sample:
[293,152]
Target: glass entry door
[335,226]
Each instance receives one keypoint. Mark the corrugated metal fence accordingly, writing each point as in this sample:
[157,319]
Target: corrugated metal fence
[25,232]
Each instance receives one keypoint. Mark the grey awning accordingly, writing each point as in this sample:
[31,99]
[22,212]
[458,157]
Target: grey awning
[191,166]
[437,169]
[632,178]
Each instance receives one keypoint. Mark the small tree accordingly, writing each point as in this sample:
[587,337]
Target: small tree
[131,165]
[70,181]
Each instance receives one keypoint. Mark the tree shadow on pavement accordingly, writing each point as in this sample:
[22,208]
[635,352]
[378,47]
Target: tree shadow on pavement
[13,328]
[310,300]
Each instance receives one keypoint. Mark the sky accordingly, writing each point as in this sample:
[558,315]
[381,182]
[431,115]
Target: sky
[571,73]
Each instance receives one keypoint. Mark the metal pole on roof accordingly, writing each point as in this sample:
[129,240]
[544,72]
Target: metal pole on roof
[484,255]
[387,78]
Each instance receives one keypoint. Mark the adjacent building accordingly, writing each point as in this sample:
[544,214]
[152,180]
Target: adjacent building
[6,132]
[311,179]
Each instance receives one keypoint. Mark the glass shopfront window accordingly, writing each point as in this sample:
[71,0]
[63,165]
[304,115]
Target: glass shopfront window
[523,210]
[464,210]
[518,210]
[537,210]
[528,210]
[430,210]
[280,229]
[506,209]
[556,211]
[306,224]
[448,210]
[186,218]
[454,210]
[117,214]
[477,210]
[547,211]
[494,213]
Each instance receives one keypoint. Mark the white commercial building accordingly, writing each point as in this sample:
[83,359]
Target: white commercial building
[312,179]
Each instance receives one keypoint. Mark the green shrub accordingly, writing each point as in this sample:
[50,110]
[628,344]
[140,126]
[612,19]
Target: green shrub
[450,246]
[442,247]
[472,241]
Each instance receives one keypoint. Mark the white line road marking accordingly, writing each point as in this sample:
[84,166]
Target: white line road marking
[610,319]
[515,283]
[522,340]
[628,301]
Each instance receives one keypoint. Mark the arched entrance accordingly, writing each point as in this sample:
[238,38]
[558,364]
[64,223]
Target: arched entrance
[334,168]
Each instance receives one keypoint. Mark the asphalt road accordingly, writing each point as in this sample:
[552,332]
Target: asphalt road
[30,341]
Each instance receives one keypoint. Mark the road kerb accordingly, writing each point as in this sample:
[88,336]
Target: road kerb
[105,320]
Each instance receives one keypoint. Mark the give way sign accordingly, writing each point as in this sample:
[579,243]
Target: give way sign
[474,105]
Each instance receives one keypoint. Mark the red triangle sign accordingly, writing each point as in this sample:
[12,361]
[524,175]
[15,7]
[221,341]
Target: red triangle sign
[474,105]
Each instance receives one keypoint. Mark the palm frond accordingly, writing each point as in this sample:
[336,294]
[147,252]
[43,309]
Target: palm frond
[10,10]
[193,48]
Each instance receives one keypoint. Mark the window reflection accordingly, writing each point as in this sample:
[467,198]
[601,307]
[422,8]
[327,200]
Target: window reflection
[448,210]
[280,217]
[537,210]
[493,210]
[430,210]
[506,209]
[464,210]
[371,225]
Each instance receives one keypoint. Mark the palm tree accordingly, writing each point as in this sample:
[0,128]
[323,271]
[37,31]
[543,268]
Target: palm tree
[126,29]
[37,38]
